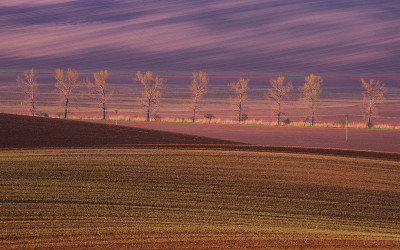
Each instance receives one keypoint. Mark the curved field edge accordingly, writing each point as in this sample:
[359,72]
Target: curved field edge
[170,197]
[240,147]
[283,149]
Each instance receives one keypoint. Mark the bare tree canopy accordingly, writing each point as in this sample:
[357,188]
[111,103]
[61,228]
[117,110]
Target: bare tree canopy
[151,93]
[101,89]
[198,88]
[310,92]
[30,87]
[278,93]
[374,93]
[65,85]
[240,88]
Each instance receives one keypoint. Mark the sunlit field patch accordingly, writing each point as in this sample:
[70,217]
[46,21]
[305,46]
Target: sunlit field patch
[196,198]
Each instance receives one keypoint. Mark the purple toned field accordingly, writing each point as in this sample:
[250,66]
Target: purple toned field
[361,139]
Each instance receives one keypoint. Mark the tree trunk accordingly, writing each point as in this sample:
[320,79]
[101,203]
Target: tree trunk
[369,115]
[279,117]
[240,111]
[312,118]
[104,111]
[66,108]
[312,115]
[33,108]
[33,101]
[279,113]
[148,110]
[194,115]
[148,115]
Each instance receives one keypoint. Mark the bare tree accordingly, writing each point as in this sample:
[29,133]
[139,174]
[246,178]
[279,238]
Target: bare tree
[310,93]
[279,92]
[151,93]
[240,88]
[65,85]
[198,88]
[101,89]
[30,87]
[374,93]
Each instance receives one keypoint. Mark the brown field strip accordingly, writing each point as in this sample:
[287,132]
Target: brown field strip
[165,197]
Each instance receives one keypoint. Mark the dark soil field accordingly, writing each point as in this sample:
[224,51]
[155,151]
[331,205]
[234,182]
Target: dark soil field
[71,184]
[26,132]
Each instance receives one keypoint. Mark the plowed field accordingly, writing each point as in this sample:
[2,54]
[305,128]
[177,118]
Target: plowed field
[168,198]
[128,187]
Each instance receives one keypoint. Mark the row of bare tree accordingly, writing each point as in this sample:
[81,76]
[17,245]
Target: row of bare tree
[100,88]
[309,94]
[152,85]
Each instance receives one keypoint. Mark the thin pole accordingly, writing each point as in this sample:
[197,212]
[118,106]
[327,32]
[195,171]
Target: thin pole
[347,118]
[116,119]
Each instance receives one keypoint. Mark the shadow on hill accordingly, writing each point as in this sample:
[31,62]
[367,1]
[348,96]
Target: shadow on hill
[17,131]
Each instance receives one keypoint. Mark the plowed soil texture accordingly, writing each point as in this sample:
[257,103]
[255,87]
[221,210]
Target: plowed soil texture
[199,198]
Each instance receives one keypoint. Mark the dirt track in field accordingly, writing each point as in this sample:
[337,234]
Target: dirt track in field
[359,139]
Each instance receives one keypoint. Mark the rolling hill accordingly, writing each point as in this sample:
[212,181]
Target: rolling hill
[18,131]
[70,184]
[165,198]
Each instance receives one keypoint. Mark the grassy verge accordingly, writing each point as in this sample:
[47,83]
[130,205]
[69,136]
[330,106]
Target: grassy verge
[196,198]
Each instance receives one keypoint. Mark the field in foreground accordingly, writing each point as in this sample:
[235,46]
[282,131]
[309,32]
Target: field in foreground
[163,198]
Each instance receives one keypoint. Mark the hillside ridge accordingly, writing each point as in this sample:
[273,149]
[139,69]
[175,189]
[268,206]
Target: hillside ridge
[18,131]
